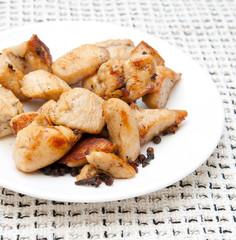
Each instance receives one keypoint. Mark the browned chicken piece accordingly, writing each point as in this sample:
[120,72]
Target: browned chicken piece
[143,48]
[80,63]
[10,106]
[122,128]
[47,107]
[76,157]
[111,82]
[38,146]
[111,164]
[88,171]
[139,76]
[22,120]
[152,122]
[89,82]
[11,77]
[166,79]
[127,80]
[43,85]
[79,109]
[30,55]
[118,48]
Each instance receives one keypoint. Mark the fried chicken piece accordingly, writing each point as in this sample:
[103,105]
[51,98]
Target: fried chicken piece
[10,106]
[43,85]
[110,82]
[38,146]
[47,107]
[122,128]
[30,55]
[79,109]
[76,157]
[138,73]
[152,122]
[143,48]
[166,79]
[11,77]
[80,63]
[111,164]
[118,48]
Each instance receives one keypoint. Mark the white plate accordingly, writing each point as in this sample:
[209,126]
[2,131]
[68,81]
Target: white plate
[177,156]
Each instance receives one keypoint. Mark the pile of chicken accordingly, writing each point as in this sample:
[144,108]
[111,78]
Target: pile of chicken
[111,76]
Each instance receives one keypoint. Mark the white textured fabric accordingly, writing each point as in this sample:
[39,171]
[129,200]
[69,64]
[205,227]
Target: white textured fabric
[202,205]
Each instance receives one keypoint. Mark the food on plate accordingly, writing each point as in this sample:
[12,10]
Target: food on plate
[10,106]
[39,145]
[30,55]
[22,120]
[118,48]
[122,128]
[76,157]
[43,85]
[166,79]
[111,164]
[110,80]
[11,76]
[152,122]
[80,63]
[92,130]
[132,78]
[79,109]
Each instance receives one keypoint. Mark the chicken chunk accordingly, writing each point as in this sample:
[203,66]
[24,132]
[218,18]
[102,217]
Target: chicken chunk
[22,120]
[47,107]
[111,164]
[167,78]
[79,109]
[10,106]
[118,48]
[11,77]
[152,122]
[80,63]
[143,48]
[127,80]
[111,82]
[43,85]
[122,128]
[30,55]
[76,157]
[39,146]
[138,73]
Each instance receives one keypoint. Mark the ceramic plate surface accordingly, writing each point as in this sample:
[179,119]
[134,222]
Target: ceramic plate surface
[175,157]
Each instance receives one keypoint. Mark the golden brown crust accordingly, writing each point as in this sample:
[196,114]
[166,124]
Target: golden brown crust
[77,155]
[21,121]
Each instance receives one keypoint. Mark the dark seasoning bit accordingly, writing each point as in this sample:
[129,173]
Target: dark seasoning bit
[96,180]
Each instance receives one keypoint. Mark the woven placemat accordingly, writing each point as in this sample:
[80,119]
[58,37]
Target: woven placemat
[202,205]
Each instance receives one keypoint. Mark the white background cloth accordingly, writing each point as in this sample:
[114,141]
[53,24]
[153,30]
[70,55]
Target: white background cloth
[202,205]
